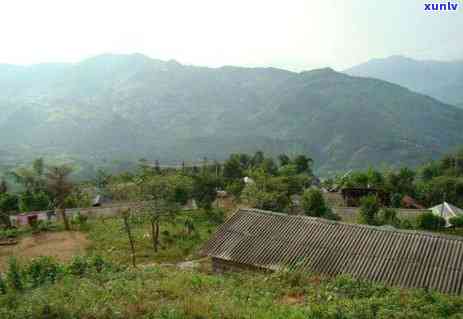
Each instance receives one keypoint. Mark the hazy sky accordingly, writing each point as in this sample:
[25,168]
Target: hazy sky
[291,34]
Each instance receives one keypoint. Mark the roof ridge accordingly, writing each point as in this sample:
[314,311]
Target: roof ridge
[377,228]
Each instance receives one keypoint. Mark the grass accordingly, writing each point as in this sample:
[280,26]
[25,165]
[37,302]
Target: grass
[155,290]
[160,292]
[109,239]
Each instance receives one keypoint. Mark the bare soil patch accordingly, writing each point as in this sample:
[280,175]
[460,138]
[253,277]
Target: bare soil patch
[60,245]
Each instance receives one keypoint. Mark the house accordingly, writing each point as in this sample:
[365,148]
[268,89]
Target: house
[410,202]
[262,240]
[353,195]
[446,211]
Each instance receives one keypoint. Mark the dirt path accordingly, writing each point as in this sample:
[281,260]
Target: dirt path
[61,245]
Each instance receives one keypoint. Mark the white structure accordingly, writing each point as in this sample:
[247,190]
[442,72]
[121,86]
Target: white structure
[248,180]
[446,211]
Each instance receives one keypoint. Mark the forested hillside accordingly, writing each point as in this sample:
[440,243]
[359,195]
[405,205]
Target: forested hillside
[441,80]
[126,107]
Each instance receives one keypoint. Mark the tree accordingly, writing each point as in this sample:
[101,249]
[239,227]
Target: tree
[161,194]
[32,179]
[303,164]
[402,182]
[388,216]
[8,204]
[369,208]
[205,190]
[160,209]
[233,167]
[456,221]
[313,203]
[284,159]
[429,221]
[102,179]
[257,159]
[59,187]
[33,201]
[126,218]
[3,187]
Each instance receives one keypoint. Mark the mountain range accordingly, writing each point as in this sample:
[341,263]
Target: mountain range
[441,80]
[126,107]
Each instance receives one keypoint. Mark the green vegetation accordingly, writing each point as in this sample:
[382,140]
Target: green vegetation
[94,288]
[177,241]
[313,204]
[429,221]
[342,121]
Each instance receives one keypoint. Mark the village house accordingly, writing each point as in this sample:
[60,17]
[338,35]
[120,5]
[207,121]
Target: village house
[353,195]
[261,240]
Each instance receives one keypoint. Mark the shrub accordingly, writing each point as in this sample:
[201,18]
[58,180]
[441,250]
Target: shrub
[78,266]
[80,220]
[2,285]
[216,216]
[456,221]
[313,203]
[42,270]
[388,216]
[8,233]
[369,208]
[13,275]
[45,225]
[429,221]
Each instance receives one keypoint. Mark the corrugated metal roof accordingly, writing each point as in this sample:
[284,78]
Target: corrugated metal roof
[402,258]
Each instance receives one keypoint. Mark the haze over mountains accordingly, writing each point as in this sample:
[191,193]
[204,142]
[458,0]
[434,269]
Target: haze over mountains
[126,107]
[441,80]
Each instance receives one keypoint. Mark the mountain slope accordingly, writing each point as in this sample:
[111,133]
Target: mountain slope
[441,80]
[126,107]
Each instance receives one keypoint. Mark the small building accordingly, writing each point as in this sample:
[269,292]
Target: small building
[268,241]
[100,200]
[353,195]
[410,202]
[446,211]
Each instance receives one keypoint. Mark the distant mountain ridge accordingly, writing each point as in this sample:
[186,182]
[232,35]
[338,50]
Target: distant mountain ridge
[441,80]
[126,107]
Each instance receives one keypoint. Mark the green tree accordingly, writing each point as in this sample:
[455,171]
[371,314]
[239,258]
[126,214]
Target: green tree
[59,186]
[3,187]
[388,216]
[8,205]
[303,164]
[233,167]
[429,221]
[284,159]
[257,159]
[369,208]
[313,203]
[205,189]
[33,201]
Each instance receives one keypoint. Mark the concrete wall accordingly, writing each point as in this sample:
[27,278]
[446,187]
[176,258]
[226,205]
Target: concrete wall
[349,214]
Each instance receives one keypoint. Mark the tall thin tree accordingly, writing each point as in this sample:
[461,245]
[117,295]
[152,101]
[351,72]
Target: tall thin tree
[59,186]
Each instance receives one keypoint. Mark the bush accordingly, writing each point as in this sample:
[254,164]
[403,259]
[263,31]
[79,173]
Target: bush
[78,266]
[456,221]
[313,203]
[216,216]
[80,220]
[429,221]
[369,208]
[2,285]
[13,275]
[388,216]
[42,270]
[45,225]
[8,233]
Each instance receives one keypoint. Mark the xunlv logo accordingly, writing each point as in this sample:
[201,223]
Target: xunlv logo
[449,6]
